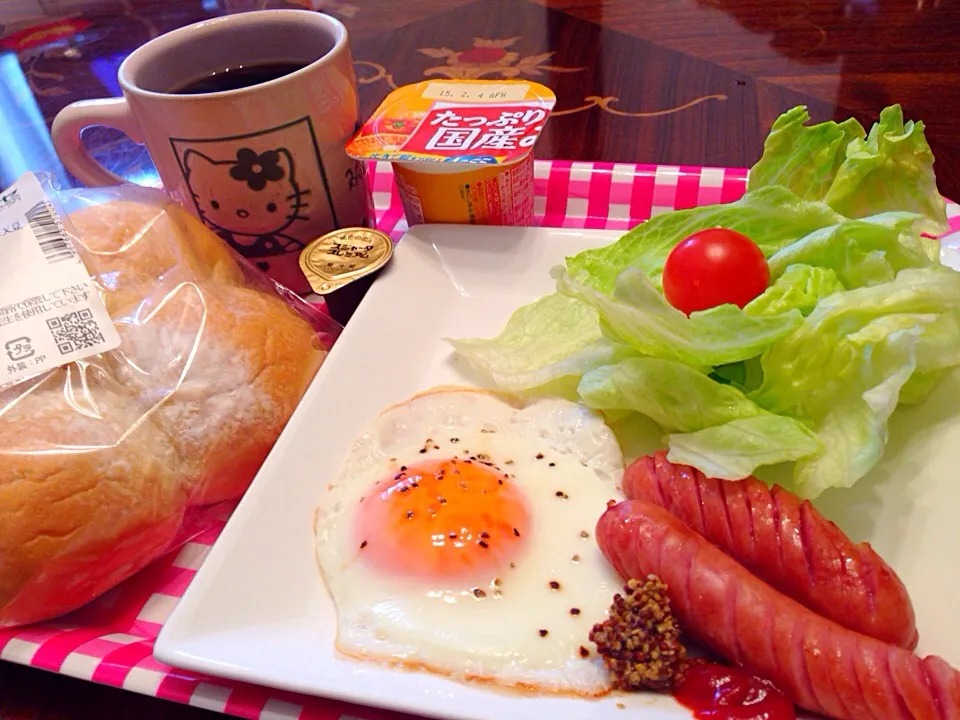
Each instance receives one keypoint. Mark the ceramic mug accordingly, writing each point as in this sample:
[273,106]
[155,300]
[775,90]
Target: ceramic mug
[263,166]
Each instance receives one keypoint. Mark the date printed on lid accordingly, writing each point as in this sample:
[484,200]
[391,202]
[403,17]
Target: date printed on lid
[50,311]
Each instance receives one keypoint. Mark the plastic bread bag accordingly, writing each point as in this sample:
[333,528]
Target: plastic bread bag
[147,371]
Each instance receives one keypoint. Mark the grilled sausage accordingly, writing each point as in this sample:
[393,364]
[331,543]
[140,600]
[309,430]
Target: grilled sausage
[819,664]
[785,542]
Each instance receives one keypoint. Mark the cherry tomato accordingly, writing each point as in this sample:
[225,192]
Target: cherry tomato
[713,267]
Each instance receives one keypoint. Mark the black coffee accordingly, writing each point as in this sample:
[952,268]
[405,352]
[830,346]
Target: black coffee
[234,78]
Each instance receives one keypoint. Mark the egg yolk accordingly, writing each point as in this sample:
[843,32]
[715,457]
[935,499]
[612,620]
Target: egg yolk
[442,519]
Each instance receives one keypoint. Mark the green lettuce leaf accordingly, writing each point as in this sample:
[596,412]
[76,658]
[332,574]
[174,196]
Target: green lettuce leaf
[920,385]
[639,316]
[938,354]
[858,175]
[939,345]
[552,338]
[773,217]
[860,316]
[840,350]
[804,158]
[853,434]
[799,287]
[862,252]
[890,169]
[674,395]
[736,449]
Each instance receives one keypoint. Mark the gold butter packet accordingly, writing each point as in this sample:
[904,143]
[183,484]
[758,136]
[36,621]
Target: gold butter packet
[342,256]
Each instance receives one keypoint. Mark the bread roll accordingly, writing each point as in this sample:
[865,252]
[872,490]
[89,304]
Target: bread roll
[136,249]
[218,364]
[225,367]
[100,459]
[89,493]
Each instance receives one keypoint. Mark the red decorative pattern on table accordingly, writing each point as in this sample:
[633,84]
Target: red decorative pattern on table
[111,640]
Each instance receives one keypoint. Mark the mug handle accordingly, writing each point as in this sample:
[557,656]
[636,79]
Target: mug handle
[73,119]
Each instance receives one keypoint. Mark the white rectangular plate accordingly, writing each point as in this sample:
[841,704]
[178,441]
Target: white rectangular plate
[258,611]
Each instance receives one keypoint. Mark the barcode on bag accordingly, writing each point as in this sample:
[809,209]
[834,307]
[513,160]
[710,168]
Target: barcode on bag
[75,331]
[49,233]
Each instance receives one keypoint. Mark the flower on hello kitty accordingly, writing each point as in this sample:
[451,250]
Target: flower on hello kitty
[257,170]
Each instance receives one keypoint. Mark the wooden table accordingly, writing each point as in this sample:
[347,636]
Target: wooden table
[659,81]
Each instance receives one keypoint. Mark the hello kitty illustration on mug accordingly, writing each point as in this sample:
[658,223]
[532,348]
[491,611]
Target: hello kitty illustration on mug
[250,199]
[268,194]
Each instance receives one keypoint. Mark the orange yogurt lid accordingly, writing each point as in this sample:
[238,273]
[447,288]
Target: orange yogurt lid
[480,122]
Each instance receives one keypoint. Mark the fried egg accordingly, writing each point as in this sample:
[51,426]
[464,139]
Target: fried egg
[458,538]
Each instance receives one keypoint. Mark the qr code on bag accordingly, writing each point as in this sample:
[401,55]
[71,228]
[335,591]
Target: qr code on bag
[75,331]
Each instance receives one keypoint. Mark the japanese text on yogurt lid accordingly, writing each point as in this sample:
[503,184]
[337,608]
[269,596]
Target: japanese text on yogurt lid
[469,121]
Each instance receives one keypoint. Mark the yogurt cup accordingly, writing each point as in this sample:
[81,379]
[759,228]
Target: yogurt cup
[462,150]
[495,194]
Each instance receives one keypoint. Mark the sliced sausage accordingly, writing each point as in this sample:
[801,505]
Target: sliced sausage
[819,664]
[784,541]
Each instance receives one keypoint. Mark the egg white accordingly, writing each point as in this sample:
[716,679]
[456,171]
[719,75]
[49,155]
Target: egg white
[444,626]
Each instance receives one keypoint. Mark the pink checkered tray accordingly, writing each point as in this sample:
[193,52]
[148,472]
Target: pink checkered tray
[111,640]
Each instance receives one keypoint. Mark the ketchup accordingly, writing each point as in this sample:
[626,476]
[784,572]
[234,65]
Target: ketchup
[715,692]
